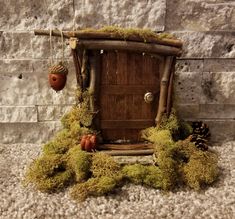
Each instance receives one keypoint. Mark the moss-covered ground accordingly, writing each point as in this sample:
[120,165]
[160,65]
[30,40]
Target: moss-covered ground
[63,163]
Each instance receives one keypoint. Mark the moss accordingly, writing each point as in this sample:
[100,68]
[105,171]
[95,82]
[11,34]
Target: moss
[154,177]
[127,32]
[159,137]
[80,113]
[94,187]
[49,173]
[105,165]
[141,174]
[170,123]
[135,173]
[60,144]
[201,169]
[80,162]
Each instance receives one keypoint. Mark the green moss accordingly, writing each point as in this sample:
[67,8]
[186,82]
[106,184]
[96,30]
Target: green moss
[159,137]
[154,177]
[80,162]
[201,169]
[105,165]
[49,173]
[94,187]
[60,144]
[170,123]
[135,173]
[141,174]
[80,113]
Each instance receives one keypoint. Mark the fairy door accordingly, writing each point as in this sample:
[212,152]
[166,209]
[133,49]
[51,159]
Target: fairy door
[129,92]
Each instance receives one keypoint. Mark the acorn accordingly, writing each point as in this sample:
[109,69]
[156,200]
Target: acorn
[57,76]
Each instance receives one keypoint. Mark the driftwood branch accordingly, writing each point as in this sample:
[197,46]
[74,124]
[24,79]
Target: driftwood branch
[113,36]
[95,62]
[77,67]
[163,89]
[84,69]
[170,89]
[129,46]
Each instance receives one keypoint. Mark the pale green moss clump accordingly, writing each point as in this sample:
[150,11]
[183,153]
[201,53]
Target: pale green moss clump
[106,176]
[104,165]
[141,174]
[80,162]
[49,173]
[93,187]
[201,169]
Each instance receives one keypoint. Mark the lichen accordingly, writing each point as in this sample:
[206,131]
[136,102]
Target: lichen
[80,162]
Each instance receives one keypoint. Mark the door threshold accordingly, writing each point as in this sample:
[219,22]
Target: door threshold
[138,149]
[136,146]
[145,152]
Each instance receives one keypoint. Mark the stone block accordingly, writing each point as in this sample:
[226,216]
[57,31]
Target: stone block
[27,14]
[187,87]
[128,13]
[41,48]
[16,45]
[217,111]
[11,114]
[207,44]
[15,67]
[187,111]
[188,65]
[221,130]
[219,65]
[198,15]
[218,88]
[33,89]
[39,132]
[52,113]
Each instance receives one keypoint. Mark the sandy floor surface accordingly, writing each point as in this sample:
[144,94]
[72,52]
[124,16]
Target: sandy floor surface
[132,201]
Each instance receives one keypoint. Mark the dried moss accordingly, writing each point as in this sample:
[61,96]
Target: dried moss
[105,165]
[201,169]
[49,173]
[94,187]
[80,113]
[128,32]
[80,162]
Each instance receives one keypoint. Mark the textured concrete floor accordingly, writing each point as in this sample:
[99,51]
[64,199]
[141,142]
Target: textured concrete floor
[132,201]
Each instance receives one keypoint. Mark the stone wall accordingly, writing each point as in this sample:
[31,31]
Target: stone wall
[205,74]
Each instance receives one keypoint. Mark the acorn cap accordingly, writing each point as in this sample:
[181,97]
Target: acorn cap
[58,69]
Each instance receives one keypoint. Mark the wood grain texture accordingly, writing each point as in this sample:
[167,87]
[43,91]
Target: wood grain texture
[105,35]
[123,86]
[129,152]
[129,46]
[125,146]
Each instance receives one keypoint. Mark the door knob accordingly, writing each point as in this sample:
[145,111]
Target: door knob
[148,97]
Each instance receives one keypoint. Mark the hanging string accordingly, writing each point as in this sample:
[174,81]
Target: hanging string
[62,45]
[51,49]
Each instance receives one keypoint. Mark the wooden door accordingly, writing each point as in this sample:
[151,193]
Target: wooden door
[125,79]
